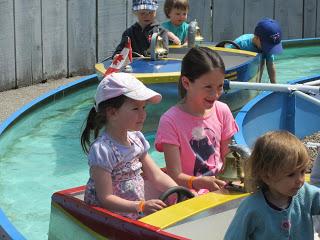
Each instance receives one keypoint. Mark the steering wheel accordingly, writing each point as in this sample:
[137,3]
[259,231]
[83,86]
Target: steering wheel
[223,43]
[182,192]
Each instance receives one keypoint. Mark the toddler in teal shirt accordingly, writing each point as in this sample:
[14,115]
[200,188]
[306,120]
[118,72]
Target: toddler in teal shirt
[282,204]
[177,12]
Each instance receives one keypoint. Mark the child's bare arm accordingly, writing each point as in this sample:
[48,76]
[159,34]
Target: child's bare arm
[174,169]
[103,184]
[172,37]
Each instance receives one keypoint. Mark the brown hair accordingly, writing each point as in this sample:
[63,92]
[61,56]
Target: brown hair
[198,61]
[96,120]
[274,154]
[177,4]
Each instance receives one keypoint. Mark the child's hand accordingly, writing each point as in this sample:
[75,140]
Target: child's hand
[176,40]
[172,37]
[209,182]
[153,205]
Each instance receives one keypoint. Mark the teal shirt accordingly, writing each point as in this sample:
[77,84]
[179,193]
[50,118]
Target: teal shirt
[245,43]
[255,219]
[180,31]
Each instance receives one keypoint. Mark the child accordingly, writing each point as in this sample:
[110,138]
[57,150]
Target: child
[315,180]
[194,134]
[282,204]
[177,12]
[266,40]
[119,156]
[140,33]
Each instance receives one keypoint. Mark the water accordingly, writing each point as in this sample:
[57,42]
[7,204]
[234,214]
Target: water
[41,154]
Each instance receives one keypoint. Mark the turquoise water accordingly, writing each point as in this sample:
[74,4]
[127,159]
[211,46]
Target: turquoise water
[41,154]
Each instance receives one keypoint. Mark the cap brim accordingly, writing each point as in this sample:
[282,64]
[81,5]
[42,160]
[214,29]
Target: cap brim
[271,48]
[144,94]
[144,7]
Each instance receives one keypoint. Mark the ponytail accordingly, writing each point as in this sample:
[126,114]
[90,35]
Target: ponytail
[97,119]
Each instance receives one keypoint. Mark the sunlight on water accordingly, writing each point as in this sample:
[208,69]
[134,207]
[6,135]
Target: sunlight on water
[41,154]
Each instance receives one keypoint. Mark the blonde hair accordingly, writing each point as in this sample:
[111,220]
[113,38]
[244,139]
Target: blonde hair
[274,154]
[177,4]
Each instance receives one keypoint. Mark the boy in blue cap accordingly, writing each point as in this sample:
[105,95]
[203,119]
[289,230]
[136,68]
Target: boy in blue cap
[266,40]
[140,33]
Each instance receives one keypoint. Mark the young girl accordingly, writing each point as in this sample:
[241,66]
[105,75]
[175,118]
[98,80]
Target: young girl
[282,205]
[194,134]
[177,12]
[119,156]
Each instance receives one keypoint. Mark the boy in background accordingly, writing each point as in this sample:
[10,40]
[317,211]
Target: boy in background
[266,40]
[140,33]
[177,12]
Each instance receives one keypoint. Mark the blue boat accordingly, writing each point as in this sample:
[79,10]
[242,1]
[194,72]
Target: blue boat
[293,111]
[242,66]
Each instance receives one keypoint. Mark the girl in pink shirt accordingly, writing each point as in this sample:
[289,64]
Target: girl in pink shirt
[194,134]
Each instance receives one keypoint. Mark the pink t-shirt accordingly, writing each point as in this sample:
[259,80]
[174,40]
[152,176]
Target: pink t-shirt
[198,138]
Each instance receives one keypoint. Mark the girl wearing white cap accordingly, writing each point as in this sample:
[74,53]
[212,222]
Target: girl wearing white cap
[118,157]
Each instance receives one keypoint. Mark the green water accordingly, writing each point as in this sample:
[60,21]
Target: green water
[41,154]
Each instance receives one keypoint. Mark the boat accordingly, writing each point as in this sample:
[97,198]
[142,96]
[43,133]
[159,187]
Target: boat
[164,67]
[189,219]
[295,111]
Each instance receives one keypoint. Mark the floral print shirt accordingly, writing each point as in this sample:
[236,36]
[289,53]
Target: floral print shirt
[123,163]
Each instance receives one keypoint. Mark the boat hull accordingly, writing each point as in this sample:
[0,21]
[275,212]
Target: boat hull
[82,221]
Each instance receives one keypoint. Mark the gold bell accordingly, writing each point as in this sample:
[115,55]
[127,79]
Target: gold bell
[233,168]
[157,47]
[198,37]
[194,35]
[161,51]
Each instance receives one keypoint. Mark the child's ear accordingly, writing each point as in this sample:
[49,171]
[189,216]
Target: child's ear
[185,82]
[111,112]
[266,179]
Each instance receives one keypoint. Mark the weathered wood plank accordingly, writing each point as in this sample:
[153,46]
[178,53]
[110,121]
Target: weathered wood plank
[28,42]
[131,17]
[81,36]
[54,36]
[161,16]
[289,14]
[254,11]
[309,18]
[201,11]
[7,55]
[227,19]
[111,24]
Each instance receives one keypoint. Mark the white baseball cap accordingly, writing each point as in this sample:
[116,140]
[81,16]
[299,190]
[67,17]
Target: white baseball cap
[116,84]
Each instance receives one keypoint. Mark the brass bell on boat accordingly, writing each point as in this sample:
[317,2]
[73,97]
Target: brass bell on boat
[199,37]
[233,169]
[157,47]
[194,34]
[161,51]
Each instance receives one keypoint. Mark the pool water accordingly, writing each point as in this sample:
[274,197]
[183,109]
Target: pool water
[296,63]
[41,153]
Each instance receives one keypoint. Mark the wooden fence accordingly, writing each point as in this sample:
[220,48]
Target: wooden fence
[45,39]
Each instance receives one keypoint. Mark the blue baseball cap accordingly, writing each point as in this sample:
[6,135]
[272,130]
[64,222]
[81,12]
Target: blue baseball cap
[270,34]
[144,4]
